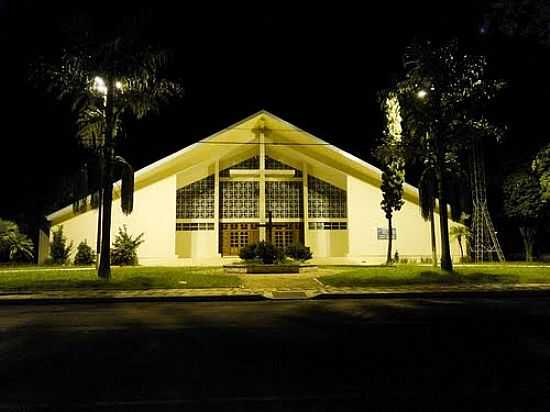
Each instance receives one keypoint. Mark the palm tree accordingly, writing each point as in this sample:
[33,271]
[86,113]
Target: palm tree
[443,96]
[459,233]
[105,82]
[427,191]
[15,244]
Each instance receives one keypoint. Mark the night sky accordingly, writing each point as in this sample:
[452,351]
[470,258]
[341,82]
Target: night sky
[320,67]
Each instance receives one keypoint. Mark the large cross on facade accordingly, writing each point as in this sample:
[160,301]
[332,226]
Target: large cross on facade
[269,226]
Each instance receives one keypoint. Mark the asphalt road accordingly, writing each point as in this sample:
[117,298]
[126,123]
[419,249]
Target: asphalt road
[385,354]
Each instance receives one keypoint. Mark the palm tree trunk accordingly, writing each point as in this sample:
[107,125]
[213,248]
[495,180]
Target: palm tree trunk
[459,238]
[390,238]
[434,244]
[104,270]
[446,261]
[99,212]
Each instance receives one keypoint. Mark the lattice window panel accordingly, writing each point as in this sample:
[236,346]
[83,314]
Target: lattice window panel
[271,163]
[325,200]
[196,201]
[191,227]
[282,239]
[284,199]
[250,163]
[239,199]
[238,239]
[328,225]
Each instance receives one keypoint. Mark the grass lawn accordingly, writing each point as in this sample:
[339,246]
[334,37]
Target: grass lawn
[424,275]
[129,278]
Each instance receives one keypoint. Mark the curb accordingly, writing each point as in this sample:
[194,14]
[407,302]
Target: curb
[435,294]
[131,299]
[269,295]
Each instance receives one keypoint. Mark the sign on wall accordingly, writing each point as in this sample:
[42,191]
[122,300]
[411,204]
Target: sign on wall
[382,233]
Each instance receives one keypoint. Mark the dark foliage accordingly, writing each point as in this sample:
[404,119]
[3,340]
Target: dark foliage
[298,251]
[266,252]
[59,250]
[124,251]
[85,255]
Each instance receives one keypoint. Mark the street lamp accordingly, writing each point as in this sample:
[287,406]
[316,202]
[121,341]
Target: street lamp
[421,94]
[99,85]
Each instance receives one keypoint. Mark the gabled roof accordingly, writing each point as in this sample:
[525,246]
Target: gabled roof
[231,138]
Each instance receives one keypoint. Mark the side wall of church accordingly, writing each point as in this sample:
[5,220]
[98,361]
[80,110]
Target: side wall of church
[154,215]
[366,218]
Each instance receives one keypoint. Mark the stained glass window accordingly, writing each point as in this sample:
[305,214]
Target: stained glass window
[250,163]
[196,201]
[284,199]
[325,200]
[239,199]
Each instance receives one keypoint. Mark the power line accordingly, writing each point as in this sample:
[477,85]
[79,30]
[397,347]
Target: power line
[272,144]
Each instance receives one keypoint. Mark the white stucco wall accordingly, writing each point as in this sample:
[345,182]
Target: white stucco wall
[328,243]
[196,244]
[154,215]
[365,216]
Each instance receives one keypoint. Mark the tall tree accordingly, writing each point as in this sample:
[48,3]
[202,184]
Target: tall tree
[443,96]
[525,205]
[105,82]
[427,193]
[541,167]
[389,153]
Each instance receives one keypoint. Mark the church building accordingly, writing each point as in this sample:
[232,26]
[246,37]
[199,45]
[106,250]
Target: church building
[261,177]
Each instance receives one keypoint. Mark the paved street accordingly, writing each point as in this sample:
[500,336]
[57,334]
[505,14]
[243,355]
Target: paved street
[384,354]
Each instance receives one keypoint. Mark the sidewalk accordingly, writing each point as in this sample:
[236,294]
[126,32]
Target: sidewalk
[244,294]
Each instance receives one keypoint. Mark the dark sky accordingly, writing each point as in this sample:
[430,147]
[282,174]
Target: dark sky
[318,66]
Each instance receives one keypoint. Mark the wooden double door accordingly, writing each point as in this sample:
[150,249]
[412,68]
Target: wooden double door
[235,236]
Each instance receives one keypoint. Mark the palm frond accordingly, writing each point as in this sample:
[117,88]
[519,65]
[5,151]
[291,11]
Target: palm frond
[427,191]
[127,189]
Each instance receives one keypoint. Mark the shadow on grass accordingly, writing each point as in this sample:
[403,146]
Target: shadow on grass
[86,284]
[479,277]
[423,278]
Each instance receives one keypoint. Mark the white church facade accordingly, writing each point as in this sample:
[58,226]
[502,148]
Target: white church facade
[200,205]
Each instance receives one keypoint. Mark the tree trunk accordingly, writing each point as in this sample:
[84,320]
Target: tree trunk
[390,238]
[99,212]
[459,238]
[434,243]
[104,270]
[528,237]
[446,261]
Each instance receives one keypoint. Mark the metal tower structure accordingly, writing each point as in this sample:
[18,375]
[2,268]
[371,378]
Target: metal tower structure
[484,239]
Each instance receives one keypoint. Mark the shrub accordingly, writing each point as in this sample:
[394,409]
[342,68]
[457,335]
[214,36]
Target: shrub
[298,251]
[248,252]
[59,251]
[125,247]
[85,255]
[14,245]
[265,251]
[269,253]
[396,257]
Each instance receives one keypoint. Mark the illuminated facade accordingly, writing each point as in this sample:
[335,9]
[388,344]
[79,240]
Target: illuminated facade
[202,204]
